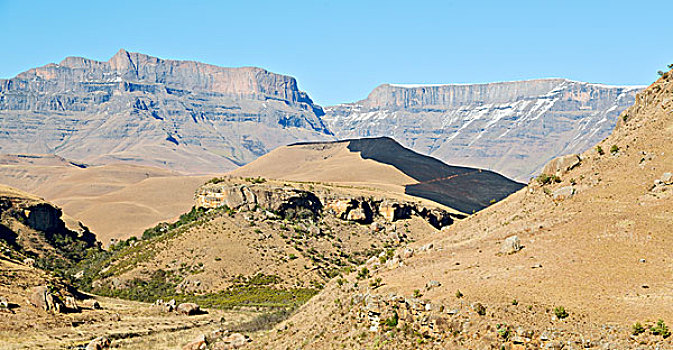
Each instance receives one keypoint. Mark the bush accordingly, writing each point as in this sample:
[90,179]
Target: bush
[560,312]
[417,293]
[638,328]
[376,283]
[363,273]
[614,149]
[459,294]
[661,329]
[391,322]
[600,151]
[545,179]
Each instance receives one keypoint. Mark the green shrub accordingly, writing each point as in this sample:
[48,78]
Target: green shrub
[600,151]
[661,329]
[376,283]
[637,328]
[417,293]
[545,179]
[391,322]
[614,149]
[459,294]
[363,273]
[560,312]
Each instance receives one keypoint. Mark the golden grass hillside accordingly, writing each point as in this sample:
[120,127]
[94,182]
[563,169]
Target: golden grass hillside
[593,269]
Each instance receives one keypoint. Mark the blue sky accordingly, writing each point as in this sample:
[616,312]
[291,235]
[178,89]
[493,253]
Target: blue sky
[340,50]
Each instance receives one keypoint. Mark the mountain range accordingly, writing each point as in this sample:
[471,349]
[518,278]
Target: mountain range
[198,118]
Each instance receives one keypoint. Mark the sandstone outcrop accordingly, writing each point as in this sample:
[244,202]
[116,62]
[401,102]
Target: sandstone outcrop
[288,202]
[291,202]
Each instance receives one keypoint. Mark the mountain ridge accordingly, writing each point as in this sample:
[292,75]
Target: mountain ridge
[512,127]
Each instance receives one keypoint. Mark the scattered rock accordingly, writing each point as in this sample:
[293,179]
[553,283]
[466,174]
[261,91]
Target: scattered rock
[99,343]
[427,247]
[432,284]
[511,245]
[407,253]
[188,309]
[4,303]
[563,193]
[667,178]
[198,344]
[377,226]
[164,306]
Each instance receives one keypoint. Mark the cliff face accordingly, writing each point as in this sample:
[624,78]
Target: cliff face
[511,127]
[189,116]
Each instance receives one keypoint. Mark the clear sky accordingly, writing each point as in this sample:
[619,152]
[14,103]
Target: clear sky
[340,50]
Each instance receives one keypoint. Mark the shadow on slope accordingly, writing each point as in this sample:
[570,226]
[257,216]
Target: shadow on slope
[462,188]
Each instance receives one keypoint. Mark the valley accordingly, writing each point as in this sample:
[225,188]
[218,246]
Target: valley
[166,204]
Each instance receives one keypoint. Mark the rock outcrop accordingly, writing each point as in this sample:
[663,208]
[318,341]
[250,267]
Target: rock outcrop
[287,202]
[184,115]
[511,127]
[290,202]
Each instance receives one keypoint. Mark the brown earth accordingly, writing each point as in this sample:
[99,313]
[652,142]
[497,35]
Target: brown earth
[602,252]
[115,201]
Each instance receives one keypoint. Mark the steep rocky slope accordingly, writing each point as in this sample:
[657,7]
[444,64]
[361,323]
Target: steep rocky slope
[187,116]
[513,128]
[136,194]
[383,163]
[588,268]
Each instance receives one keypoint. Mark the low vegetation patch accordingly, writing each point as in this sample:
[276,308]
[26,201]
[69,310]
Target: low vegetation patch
[545,179]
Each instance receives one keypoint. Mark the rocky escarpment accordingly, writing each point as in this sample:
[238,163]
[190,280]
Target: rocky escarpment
[288,202]
[511,127]
[184,115]
[35,231]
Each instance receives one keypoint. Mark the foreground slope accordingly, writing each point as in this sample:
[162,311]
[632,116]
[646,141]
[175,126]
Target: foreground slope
[186,116]
[385,164]
[116,201]
[513,127]
[596,244]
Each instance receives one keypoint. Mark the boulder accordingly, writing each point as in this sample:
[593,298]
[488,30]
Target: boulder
[99,343]
[231,341]
[42,298]
[561,165]
[71,304]
[667,178]
[377,227]
[510,245]
[563,193]
[357,215]
[432,284]
[407,253]
[4,303]
[188,309]
[198,344]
